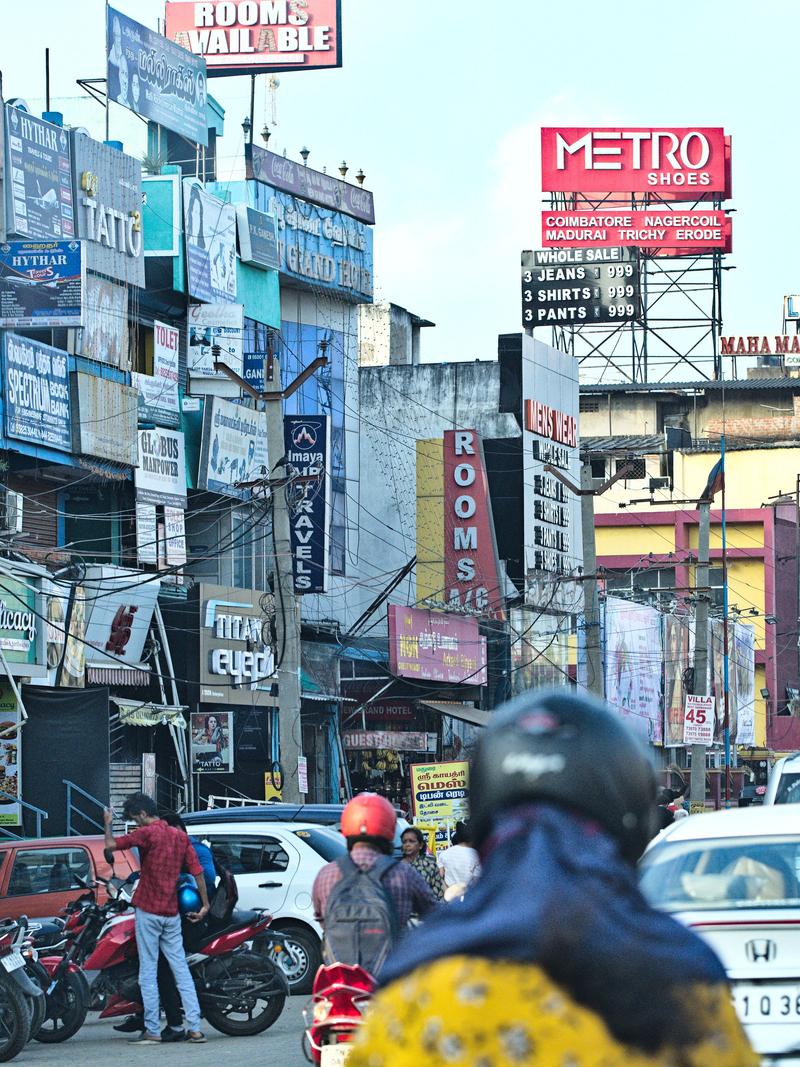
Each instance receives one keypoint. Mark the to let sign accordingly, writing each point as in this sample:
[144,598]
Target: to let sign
[698,720]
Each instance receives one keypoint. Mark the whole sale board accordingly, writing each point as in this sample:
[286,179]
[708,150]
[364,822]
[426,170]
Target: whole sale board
[580,285]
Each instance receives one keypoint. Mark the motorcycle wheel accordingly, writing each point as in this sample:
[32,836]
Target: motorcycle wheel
[37,974]
[66,1009]
[245,1014]
[15,1020]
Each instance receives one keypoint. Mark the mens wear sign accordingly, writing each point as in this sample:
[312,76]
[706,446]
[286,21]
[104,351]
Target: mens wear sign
[155,78]
[39,177]
[308,446]
[258,36]
[41,284]
[37,397]
[581,159]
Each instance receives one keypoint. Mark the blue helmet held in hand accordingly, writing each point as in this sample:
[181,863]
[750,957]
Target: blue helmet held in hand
[189,900]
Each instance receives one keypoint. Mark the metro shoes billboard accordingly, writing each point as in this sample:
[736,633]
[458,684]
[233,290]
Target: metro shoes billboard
[632,159]
[684,231]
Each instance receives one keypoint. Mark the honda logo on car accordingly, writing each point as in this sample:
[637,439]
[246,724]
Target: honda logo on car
[761,950]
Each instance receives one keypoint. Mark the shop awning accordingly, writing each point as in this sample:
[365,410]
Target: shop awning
[310,690]
[135,713]
[464,712]
[117,674]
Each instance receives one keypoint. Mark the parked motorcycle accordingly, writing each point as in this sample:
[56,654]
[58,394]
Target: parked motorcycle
[19,996]
[339,999]
[241,992]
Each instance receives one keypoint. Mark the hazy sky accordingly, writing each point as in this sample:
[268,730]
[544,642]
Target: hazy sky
[441,104]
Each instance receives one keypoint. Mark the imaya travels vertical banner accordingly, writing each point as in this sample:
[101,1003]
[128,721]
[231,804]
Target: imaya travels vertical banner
[307,440]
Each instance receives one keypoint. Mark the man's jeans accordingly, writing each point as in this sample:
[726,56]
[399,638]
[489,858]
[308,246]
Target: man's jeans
[154,932]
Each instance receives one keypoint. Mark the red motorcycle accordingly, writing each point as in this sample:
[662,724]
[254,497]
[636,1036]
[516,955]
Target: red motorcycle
[241,992]
[339,998]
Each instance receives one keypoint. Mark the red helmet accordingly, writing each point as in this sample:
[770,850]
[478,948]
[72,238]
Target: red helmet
[369,817]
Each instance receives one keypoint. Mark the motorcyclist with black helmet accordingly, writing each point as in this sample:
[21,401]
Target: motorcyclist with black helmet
[554,957]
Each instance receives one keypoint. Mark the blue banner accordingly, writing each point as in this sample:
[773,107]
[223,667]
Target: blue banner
[307,443]
[36,394]
[41,284]
[155,78]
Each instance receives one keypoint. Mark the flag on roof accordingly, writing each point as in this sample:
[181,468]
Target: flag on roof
[716,481]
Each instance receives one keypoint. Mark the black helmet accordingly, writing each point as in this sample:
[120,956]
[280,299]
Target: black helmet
[556,745]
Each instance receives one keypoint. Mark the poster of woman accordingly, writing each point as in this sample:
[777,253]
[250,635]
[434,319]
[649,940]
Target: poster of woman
[212,734]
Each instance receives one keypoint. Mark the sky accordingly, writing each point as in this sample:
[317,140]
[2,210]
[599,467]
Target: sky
[441,105]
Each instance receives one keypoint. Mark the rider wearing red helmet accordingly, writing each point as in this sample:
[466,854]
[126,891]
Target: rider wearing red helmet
[368,824]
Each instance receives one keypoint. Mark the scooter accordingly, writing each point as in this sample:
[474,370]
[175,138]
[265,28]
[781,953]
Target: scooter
[240,991]
[339,998]
[19,996]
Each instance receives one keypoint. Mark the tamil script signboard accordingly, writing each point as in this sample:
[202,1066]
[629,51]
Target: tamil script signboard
[37,395]
[440,791]
[41,284]
[155,78]
[40,177]
[234,448]
[580,286]
[309,184]
[435,646]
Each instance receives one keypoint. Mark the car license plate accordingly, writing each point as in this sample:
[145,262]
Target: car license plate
[767,1003]
[12,961]
[334,1055]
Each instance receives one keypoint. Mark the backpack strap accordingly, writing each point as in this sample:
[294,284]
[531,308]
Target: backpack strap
[382,866]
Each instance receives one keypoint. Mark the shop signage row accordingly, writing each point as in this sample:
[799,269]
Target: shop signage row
[566,286]
[308,447]
[435,646]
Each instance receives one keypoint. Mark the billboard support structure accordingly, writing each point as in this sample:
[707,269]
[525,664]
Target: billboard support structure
[681,302]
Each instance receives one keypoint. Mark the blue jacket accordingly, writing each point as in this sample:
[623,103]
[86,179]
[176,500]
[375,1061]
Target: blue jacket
[206,862]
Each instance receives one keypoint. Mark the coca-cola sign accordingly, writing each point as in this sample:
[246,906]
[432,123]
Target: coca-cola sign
[313,185]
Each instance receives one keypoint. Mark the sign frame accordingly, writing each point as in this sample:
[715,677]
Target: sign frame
[580,290]
[699,730]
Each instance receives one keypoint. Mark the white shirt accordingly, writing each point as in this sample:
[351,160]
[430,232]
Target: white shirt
[460,865]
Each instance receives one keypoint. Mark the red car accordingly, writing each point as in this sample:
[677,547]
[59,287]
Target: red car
[37,876]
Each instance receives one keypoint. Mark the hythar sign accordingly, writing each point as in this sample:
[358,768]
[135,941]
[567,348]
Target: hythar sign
[581,159]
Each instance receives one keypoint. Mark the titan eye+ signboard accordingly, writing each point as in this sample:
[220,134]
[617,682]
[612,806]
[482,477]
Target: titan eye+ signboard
[39,177]
[37,400]
[580,286]
[41,284]
[236,657]
[108,187]
[257,37]
[320,248]
[308,448]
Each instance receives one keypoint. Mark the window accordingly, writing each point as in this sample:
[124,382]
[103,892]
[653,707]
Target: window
[326,843]
[657,580]
[48,870]
[585,404]
[598,468]
[638,468]
[788,789]
[91,524]
[249,855]
[716,583]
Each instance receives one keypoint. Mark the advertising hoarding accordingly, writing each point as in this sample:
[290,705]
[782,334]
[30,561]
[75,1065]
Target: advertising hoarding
[233,449]
[159,401]
[572,286]
[471,567]
[744,669]
[108,217]
[65,630]
[633,665]
[437,647]
[698,720]
[680,230]
[160,477]
[155,78]
[38,403]
[259,38]
[258,238]
[440,791]
[104,336]
[309,184]
[320,248]
[39,178]
[118,621]
[10,759]
[677,639]
[307,441]
[633,159]
[212,742]
[210,227]
[236,658]
[213,327]
[41,284]
[105,418]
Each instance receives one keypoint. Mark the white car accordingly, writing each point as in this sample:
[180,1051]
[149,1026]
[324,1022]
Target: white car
[734,878]
[784,781]
[275,864]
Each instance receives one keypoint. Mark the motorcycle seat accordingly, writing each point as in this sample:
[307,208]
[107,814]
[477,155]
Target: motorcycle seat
[50,932]
[243,917]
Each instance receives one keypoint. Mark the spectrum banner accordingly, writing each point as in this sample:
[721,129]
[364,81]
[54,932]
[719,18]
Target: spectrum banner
[684,231]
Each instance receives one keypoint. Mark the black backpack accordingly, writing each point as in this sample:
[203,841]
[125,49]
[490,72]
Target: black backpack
[361,923]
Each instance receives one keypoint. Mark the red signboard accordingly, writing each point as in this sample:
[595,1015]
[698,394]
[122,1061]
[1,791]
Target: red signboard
[545,421]
[471,568]
[633,159]
[436,647]
[700,229]
[252,37]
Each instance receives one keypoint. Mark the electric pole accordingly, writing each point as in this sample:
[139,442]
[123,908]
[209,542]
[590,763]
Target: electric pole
[697,787]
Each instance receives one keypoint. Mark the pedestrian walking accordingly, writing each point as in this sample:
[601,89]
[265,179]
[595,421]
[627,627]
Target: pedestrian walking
[164,852]
[460,864]
[415,853]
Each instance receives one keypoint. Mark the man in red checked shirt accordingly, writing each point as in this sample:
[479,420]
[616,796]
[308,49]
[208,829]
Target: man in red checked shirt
[164,853]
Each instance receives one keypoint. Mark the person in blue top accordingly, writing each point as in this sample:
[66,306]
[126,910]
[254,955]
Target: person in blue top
[171,818]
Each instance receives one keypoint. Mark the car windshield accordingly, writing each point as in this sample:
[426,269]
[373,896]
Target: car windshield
[754,872]
[788,791]
[326,843]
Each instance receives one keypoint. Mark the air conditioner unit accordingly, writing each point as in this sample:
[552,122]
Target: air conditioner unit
[659,483]
[11,511]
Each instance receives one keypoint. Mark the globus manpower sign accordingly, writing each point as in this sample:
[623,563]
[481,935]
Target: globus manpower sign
[584,159]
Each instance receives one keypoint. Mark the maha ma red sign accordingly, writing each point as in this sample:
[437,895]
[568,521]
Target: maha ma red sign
[436,647]
[582,159]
